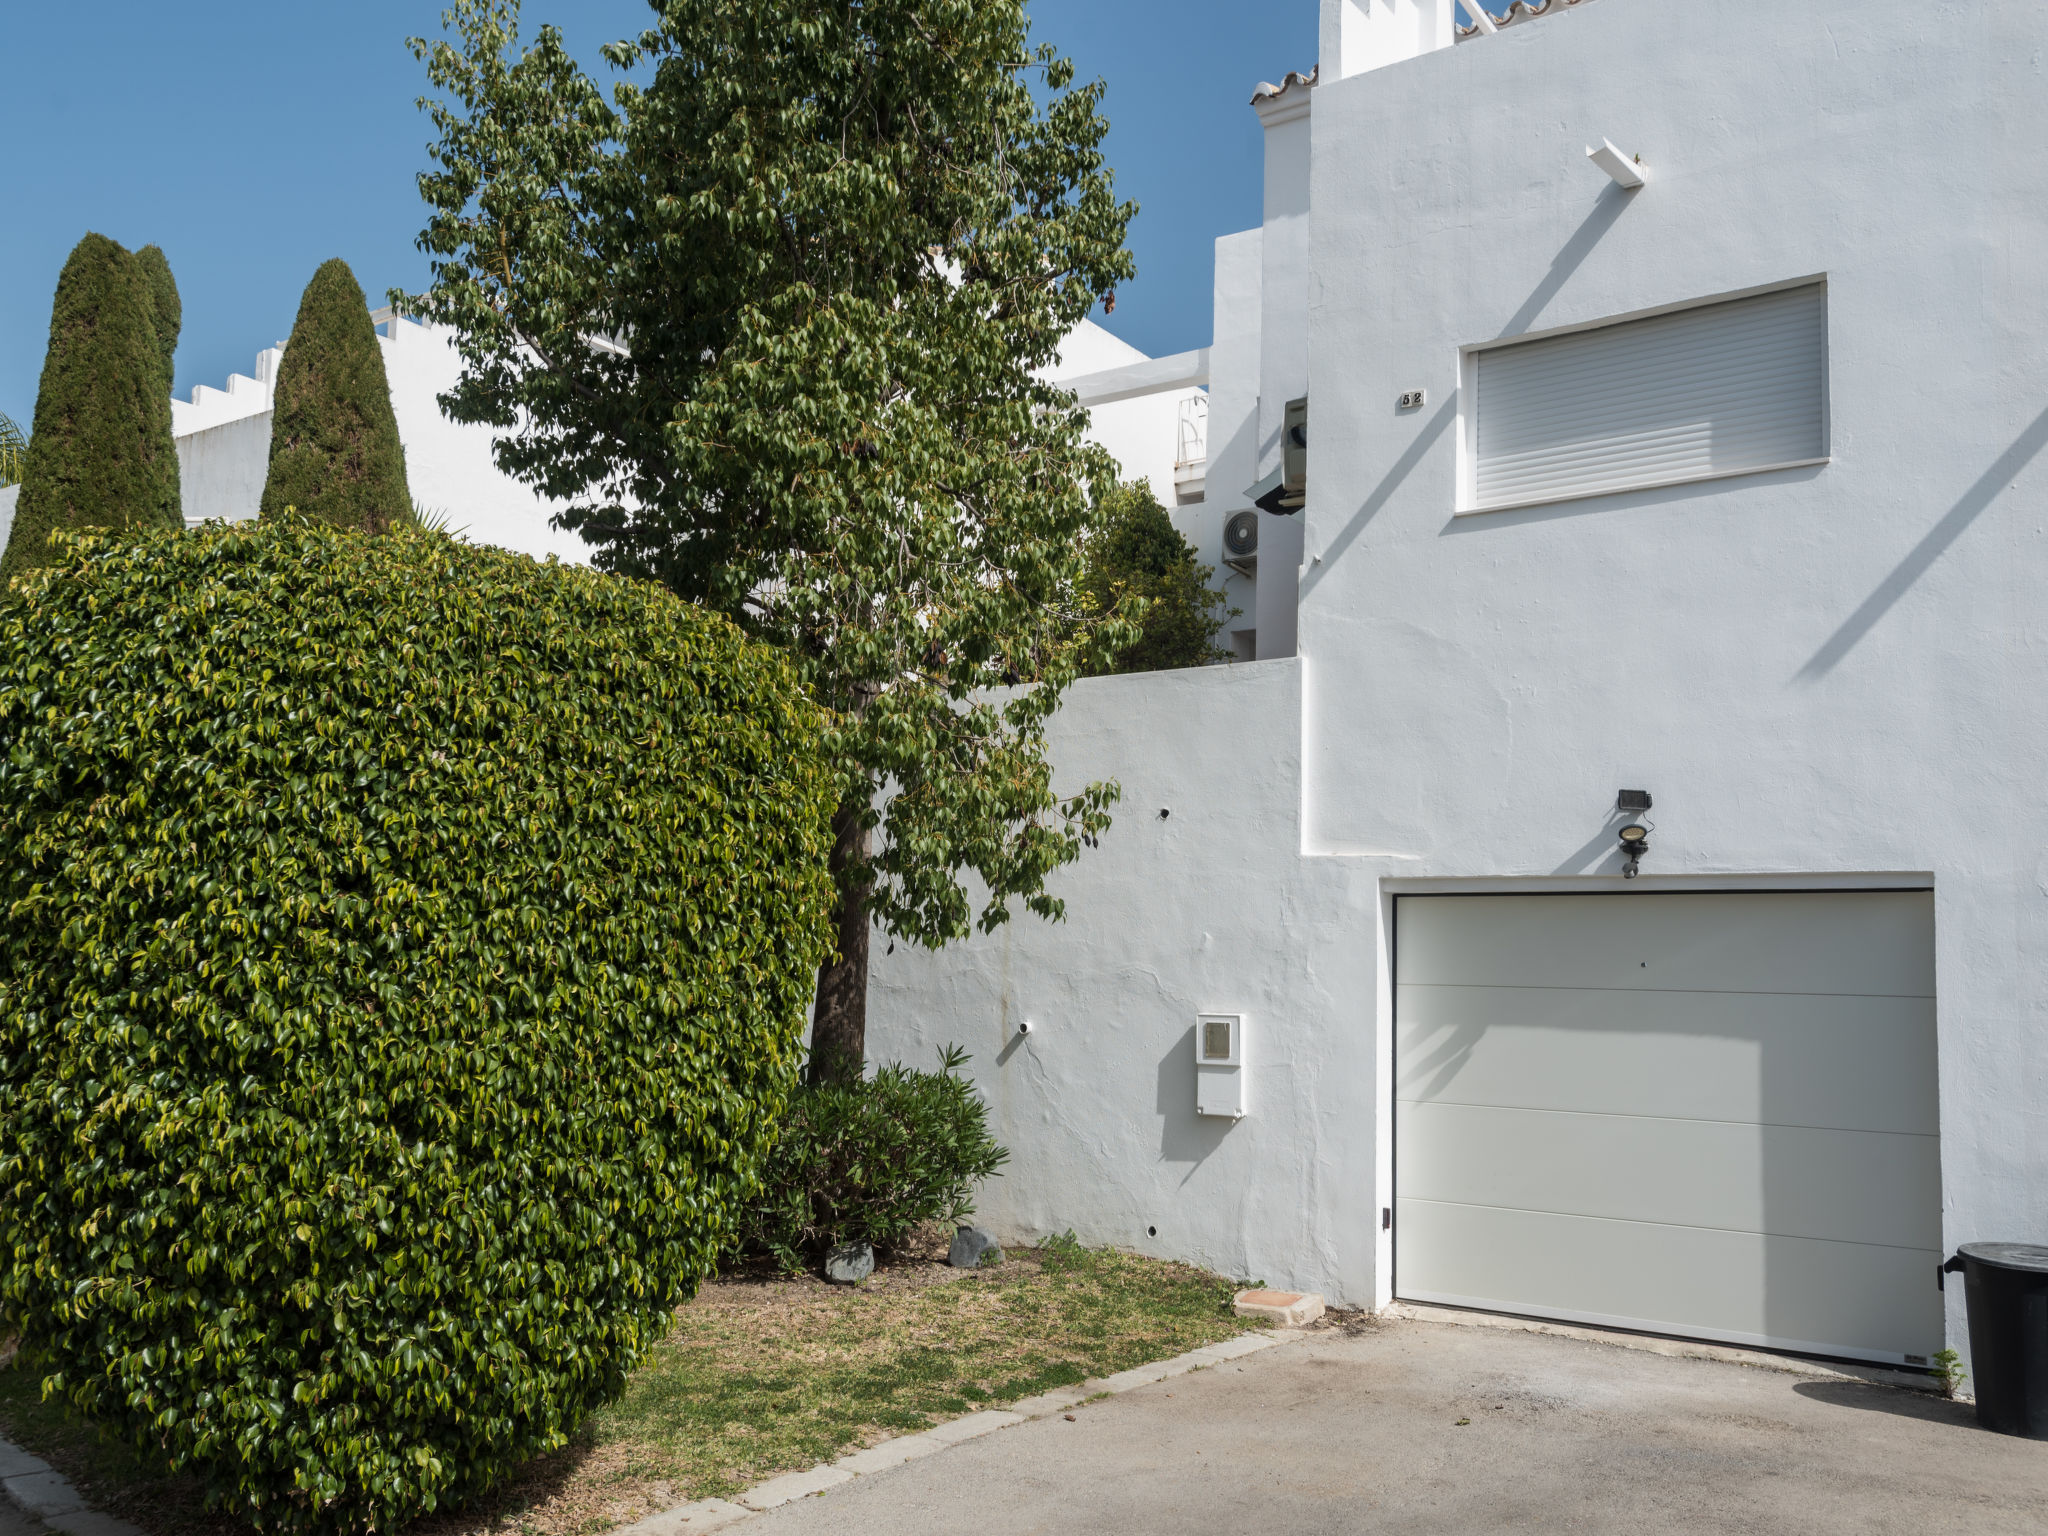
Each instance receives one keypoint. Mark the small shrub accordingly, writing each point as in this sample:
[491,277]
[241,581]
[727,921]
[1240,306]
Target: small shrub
[872,1159]
[1948,1372]
[404,966]
[1139,565]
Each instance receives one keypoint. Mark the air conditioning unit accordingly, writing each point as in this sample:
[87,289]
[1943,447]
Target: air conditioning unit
[1241,543]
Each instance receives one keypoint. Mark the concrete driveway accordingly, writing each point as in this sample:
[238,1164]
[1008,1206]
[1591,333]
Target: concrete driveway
[1346,1433]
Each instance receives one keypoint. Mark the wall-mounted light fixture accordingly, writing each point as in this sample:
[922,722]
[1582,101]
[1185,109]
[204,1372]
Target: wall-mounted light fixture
[1635,833]
[1626,170]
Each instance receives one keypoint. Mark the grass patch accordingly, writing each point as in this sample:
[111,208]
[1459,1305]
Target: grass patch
[766,1374]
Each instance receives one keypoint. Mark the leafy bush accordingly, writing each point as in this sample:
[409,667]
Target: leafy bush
[869,1160]
[405,962]
[1139,566]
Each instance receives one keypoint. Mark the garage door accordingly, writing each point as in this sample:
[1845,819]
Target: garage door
[1710,1115]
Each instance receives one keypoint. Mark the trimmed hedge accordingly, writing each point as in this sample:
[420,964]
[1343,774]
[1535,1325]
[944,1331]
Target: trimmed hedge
[166,309]
[335,454]
[101,454]
[867,1160]
[406,958]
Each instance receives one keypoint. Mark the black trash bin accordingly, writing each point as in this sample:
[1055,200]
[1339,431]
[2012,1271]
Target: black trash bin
[2005,1287]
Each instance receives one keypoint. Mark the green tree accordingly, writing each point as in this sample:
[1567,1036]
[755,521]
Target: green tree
[101,454]
[13,449]
[769,322]
[168,310]
[1137,560]
[335,456]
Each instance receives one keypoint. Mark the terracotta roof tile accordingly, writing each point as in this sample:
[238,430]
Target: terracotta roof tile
[1267,90]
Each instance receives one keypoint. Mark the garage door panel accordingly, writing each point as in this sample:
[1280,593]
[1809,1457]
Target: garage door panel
[1856,1063]
[1693,1113]
[1842,1186]
[1795,1293]
[1861,943]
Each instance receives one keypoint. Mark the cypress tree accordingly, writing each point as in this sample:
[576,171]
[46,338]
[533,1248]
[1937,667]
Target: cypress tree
[334,449]
[101,453]
[170,310]
[167,318]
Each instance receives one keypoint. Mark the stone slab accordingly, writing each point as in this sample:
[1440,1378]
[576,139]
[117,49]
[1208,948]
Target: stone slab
[974,1425]
[15,1462]
[890,1453]
[1290,1309]
[1243,1344]
[689,1519]
[88,1522]
[43,1493]
[794,1485]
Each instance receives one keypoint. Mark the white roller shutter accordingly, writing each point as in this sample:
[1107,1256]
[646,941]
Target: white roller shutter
[1724,389]
[1690,1113]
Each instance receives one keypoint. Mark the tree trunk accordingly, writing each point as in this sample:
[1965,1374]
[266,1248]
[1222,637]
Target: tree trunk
[839,1021]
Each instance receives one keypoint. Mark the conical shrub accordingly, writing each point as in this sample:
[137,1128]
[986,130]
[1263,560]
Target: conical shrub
[334,449]
[169,309]
[167,319]
[101,453]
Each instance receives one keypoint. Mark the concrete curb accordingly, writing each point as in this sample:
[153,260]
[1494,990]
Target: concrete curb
[715,1514]
[45,1494]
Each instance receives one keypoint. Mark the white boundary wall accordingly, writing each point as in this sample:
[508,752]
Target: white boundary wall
[1209,909]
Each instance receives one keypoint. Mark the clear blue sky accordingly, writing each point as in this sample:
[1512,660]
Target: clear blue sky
[253,139]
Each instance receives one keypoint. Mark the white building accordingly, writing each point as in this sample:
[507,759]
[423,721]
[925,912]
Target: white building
[1723,489]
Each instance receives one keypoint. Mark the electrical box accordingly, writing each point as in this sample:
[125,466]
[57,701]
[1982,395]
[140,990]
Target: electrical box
[1220,1065]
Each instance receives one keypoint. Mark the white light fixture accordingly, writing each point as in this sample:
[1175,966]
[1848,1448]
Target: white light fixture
[1626,171]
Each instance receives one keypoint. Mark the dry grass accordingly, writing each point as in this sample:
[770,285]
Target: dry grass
[764,1374]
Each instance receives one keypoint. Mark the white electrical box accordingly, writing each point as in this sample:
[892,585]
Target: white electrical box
[1220,1065]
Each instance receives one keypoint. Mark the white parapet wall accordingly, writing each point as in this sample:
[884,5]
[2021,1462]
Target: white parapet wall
[1206,908]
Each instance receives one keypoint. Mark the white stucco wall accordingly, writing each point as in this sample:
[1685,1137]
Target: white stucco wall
[1209,908]
[1141,433]
[8,496]
[221,469]
[1233,415]
[1831,675]
[449,464]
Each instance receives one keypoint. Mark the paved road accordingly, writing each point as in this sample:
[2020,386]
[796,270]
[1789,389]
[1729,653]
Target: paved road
[1346,1434]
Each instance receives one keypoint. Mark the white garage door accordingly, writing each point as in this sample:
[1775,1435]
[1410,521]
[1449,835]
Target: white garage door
[1710,1115]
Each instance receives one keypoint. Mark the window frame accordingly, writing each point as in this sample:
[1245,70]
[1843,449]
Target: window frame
[1467,494]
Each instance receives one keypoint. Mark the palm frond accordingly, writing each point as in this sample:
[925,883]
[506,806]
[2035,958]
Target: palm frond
[13,451]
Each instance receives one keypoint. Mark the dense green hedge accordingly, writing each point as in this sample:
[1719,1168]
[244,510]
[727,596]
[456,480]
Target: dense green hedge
[867,1160]
[406,955]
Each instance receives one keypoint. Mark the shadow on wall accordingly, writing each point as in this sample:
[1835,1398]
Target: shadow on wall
[1923,555]
[1184,1136]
